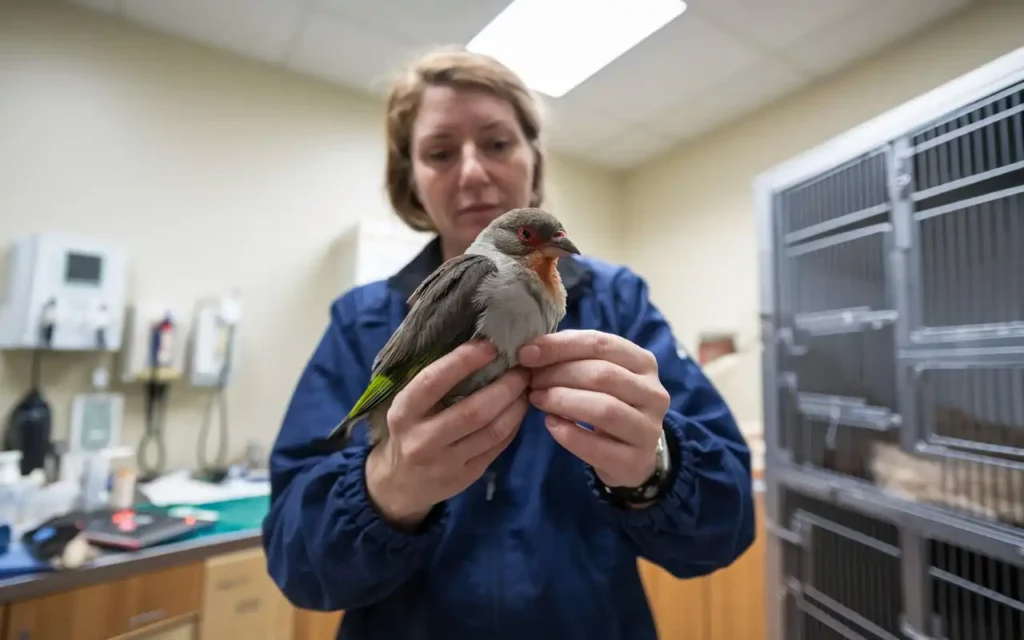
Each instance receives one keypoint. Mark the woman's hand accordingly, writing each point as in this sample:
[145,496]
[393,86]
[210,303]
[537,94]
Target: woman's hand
[609,383]
[429,457]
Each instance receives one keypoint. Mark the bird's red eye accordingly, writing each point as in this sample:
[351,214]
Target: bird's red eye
[558,234]
[525,234]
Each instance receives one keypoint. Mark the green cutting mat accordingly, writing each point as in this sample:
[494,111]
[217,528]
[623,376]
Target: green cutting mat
[242,514]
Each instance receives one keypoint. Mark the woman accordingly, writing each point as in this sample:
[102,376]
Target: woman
[537,533]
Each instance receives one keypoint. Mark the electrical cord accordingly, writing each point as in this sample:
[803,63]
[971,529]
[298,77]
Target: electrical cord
[11,439]
[36,375]
[153,437]
[37,418]
[218,399]
[46,338]
[156,394]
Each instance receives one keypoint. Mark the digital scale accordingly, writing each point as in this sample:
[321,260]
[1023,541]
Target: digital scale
[132,530]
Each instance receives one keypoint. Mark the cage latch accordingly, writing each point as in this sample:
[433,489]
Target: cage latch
[911,633]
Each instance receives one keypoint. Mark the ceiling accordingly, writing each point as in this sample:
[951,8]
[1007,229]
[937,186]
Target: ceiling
[716,62]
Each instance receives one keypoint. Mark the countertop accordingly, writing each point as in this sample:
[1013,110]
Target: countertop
[114,566]
[117,565]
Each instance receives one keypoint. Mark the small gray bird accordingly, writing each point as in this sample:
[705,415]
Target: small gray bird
[505,288]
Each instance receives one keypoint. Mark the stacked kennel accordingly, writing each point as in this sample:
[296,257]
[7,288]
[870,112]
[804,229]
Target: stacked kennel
[893,324]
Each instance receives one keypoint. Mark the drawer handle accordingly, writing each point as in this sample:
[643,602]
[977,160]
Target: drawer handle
[248,605]
[146,618]
[224,585]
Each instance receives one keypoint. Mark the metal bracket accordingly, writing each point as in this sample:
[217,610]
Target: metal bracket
[846,412]
[903,181]
[845,321]
[794,537]
[787,338]
[902,191]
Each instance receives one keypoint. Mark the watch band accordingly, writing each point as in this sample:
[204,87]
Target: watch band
[651,488]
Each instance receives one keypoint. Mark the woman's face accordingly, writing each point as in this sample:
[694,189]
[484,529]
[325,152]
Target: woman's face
[471,162]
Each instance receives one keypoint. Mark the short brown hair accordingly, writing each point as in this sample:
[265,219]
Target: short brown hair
[453,67]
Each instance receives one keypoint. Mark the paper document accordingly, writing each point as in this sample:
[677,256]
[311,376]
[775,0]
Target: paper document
[179,487]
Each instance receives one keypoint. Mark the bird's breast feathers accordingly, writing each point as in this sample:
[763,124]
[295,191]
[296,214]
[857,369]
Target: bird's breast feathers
[546,269]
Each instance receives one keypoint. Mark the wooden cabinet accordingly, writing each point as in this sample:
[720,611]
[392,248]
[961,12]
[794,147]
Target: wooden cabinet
[316,625]
[726,605]
[231,597]
[110,609]
[241,601]
[227,597]
[184,631]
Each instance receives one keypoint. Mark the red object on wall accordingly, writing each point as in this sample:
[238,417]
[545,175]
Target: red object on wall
[715,345]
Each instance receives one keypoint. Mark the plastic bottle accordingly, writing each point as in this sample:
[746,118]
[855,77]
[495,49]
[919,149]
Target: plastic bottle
[10,496]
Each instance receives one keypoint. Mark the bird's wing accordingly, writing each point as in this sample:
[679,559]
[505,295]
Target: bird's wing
[443,315]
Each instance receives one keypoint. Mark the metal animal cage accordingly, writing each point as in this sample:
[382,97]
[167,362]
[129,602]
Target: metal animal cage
[893,324]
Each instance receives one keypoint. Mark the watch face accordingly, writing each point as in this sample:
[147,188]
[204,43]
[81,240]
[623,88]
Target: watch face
[662,453]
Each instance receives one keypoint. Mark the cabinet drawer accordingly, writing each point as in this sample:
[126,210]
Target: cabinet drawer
[181,631]
[109,609]
[241,601]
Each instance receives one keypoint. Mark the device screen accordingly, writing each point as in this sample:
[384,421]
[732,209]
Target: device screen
[82,268]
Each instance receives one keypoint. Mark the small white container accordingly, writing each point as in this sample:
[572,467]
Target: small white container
[10,488]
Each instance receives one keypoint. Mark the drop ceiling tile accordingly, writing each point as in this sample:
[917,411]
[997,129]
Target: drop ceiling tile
[260,29]
[357,57]
[430,22]
[777,23]
[575,126]
[631,148]
[863,34]
[679,60]
[741,93]
[106,6]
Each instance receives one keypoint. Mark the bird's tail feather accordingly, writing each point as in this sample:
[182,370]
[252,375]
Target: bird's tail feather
[339,437]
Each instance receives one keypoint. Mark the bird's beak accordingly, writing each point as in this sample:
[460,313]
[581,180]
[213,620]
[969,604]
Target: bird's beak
[560,247]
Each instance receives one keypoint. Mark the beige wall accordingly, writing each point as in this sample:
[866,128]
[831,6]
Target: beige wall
[691,226]
[111,130]
[214,173]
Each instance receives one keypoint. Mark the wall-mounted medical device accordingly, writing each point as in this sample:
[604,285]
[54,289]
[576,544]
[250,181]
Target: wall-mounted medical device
[213,364]
[214,346]
[96,419]
[154,343]
[64,293]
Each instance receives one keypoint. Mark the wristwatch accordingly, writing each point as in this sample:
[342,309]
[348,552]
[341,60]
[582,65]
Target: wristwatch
[652,487]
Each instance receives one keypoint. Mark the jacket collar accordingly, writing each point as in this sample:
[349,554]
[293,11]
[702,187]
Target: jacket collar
[573,272]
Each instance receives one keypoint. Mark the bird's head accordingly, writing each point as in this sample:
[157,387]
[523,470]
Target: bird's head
[529,233]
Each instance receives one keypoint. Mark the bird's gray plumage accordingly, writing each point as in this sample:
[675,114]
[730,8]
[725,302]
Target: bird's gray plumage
[490,292]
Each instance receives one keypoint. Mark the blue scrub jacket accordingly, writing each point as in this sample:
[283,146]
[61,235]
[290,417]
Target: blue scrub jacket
[543,555]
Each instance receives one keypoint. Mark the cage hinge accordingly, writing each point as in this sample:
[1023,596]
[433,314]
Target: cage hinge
[903,181]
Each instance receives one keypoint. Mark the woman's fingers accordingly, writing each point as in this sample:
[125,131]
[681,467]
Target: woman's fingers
[567,345]
[427,388]
[596,375]
[593,448]
[600,410]
[486,443]
[479,409]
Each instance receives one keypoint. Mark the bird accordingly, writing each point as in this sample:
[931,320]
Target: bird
[505,289]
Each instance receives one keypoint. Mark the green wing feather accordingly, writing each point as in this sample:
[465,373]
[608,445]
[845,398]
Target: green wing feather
[443,316]
[385,384]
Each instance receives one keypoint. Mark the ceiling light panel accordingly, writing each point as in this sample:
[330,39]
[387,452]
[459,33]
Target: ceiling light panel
[554,45]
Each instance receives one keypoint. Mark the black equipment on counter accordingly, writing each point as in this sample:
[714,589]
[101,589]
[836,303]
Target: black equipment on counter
[30,424]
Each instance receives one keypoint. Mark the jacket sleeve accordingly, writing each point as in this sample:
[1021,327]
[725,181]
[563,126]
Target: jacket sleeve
[704,521]
[326,546]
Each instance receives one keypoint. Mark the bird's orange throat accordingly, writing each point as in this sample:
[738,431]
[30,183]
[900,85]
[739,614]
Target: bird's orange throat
[546,268]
